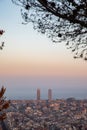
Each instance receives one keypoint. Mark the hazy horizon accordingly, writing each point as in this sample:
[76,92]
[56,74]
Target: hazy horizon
[26,88]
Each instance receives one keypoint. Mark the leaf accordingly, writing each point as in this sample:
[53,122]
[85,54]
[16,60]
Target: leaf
[75,57]
[27,7]
[85,58]
[81,55]
[3,116]
[73,50]
[1,32]
[6,105]
[2,91]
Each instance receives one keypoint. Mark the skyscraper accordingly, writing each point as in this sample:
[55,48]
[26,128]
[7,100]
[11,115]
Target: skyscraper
[49,94]
[38,94]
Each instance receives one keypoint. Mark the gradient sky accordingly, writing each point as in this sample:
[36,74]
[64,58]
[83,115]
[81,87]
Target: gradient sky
[30,60]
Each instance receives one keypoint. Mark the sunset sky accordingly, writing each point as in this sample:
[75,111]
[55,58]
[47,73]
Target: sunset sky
[30,60]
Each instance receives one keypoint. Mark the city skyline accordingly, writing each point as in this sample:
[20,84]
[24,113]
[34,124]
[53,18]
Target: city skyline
[39,94]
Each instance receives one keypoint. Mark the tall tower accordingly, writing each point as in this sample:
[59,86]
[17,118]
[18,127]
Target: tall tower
[49,94]
[38,94]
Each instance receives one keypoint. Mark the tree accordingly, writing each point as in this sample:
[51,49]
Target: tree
[4,104]
[61,20]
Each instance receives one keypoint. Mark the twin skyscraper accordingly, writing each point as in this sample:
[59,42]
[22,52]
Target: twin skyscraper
[49,94]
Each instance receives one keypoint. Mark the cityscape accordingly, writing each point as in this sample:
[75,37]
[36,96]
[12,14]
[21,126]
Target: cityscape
[49,114]
[43,64]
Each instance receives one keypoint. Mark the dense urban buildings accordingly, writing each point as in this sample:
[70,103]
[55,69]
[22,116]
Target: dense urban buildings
[59,114]
[39,114]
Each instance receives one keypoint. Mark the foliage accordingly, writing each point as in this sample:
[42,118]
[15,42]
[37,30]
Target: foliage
[2,43]
[61,20]
[4,104]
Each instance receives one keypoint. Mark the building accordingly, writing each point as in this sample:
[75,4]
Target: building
[38,94]
[49,94]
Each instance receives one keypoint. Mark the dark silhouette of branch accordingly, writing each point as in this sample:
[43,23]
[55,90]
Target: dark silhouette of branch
[2,43]
[61,20]
[4,104]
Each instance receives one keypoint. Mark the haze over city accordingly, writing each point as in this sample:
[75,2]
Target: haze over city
[30,60]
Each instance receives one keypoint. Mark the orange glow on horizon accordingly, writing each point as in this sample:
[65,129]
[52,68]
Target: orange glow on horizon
[43,67]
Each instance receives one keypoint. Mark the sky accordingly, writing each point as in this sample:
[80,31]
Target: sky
[30,60]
